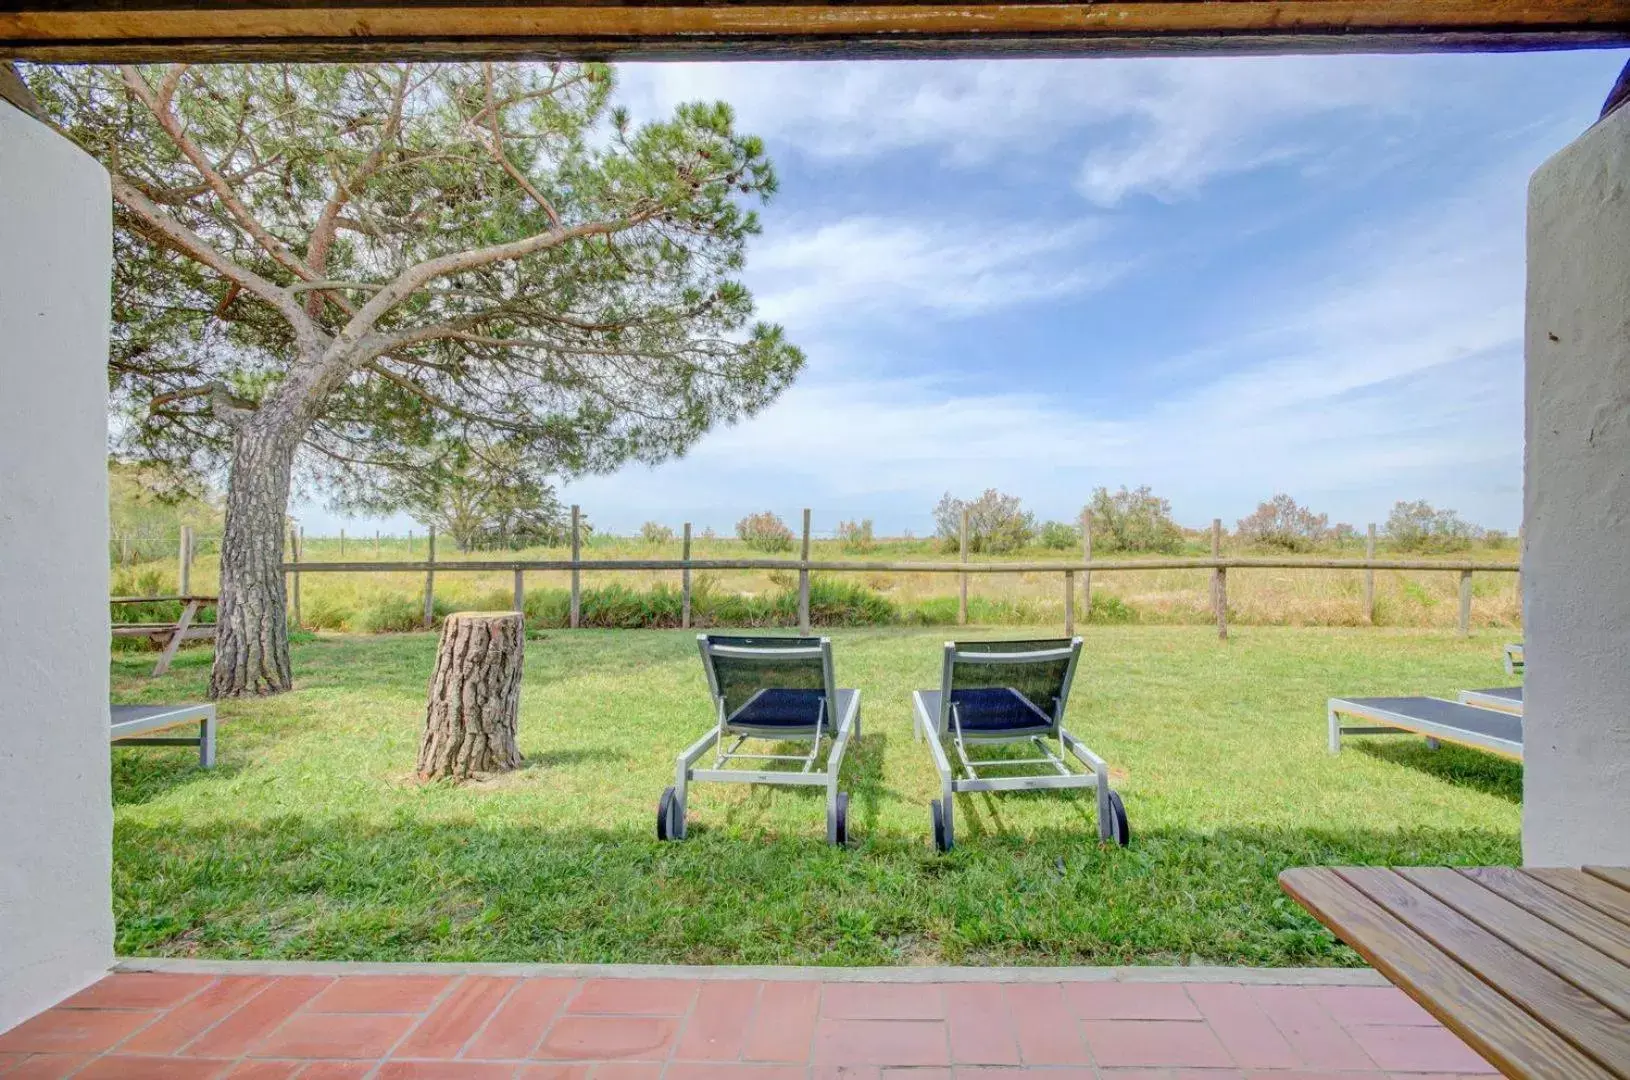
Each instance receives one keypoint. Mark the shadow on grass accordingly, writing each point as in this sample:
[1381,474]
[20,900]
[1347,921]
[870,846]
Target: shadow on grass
[1456,765]
[406,889]
[142,774]
[862,779]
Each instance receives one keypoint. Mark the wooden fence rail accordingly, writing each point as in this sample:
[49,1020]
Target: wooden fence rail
[1219,565]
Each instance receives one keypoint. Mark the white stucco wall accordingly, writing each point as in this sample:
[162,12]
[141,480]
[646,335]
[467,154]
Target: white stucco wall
[56,821]
[1576,570]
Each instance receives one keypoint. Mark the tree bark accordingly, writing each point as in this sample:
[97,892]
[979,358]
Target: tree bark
[475,697]
[252,639]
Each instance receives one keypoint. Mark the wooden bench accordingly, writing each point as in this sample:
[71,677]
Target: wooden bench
[1530,967]
[167,635]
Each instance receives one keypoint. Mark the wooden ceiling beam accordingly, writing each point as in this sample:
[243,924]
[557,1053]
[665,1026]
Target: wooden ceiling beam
[239,30]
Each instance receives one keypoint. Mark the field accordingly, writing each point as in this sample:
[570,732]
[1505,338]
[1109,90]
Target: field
[311,840]
[1262,597]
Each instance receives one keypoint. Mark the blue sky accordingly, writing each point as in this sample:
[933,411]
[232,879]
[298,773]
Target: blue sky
[1222,277]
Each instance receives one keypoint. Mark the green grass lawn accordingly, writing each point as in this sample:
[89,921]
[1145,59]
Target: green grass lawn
[311,840]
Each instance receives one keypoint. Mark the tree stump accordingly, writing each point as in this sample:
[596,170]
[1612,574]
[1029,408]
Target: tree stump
[475,697]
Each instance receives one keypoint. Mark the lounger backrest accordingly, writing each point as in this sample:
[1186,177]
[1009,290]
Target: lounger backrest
[1040,671]
[738,667]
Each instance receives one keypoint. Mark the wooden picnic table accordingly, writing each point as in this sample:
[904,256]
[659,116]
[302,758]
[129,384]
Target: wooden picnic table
[169,635]
[1530,967]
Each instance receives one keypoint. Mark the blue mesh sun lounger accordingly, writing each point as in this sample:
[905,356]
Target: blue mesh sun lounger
[130,721]
[769,689]
[1498,732]
[994,692]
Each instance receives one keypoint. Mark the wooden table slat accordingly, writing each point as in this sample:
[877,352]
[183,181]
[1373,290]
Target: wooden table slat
[1581,1019]
[1490,1022]
[1557,908]
[1599,894]
[1593,972]
[1613,875]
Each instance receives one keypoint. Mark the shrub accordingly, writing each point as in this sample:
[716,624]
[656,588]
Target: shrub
[1109,608]
[764,532]
[836,602]
[1133,521]
[709,534]
[1285,524]
[1419,527]
[857,536]
[1496,538]
[325,613]
[400,614]
[1057,536]
[996,524]
[653,533]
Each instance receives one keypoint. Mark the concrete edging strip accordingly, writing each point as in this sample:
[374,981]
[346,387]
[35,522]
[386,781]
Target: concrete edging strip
[1288,976]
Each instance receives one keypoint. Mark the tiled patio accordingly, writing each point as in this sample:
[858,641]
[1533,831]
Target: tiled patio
[396,1027]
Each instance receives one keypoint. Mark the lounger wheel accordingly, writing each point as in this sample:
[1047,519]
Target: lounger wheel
[841,813]
[942,831]
[1120,829]
[668,825]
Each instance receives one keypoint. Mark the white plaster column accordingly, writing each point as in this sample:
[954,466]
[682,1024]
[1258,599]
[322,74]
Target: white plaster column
[56,821]
[1576,505]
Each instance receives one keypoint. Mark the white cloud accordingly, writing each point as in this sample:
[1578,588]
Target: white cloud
[1158,126]
[864,267]
[1397,375]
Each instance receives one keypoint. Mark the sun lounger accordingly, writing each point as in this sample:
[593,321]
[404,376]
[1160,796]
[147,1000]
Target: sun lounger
[1436,719]
[776,690]
[1513,659]
[130,721]
[1506,699]
[994,692]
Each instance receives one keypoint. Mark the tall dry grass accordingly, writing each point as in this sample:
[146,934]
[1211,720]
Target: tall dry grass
[1283,597]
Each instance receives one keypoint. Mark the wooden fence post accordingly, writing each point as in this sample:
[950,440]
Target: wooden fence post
[294,549]
[1069,603]
[577,576]
[376,543]
[1520,546]
[184,570]
[342,543]
[520,591]
[1465,603]
[684,584]
[1086,556]
[1219,582]
[962,602]
[430,581]
[1369,576]
[410,541]
[803,580]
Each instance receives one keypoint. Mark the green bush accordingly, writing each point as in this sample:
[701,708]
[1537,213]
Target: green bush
[1133,521]
[764,532]
[1057,536]
[400,614]
[1109,608]
[857,536]
[324,613]
[653,533]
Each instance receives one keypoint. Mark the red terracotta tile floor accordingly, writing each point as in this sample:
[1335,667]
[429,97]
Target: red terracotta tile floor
[426,1027]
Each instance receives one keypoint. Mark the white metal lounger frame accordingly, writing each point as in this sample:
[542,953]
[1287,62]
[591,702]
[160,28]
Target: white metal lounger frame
[1387,722]
[1498,703]
[964,776]
[1514,658]
[127,732]
[845,728]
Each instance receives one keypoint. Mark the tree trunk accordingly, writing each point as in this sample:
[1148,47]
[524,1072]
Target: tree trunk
[475,697]
[251,639]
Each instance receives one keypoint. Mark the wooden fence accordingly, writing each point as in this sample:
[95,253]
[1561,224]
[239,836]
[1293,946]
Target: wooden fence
[1086,566]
